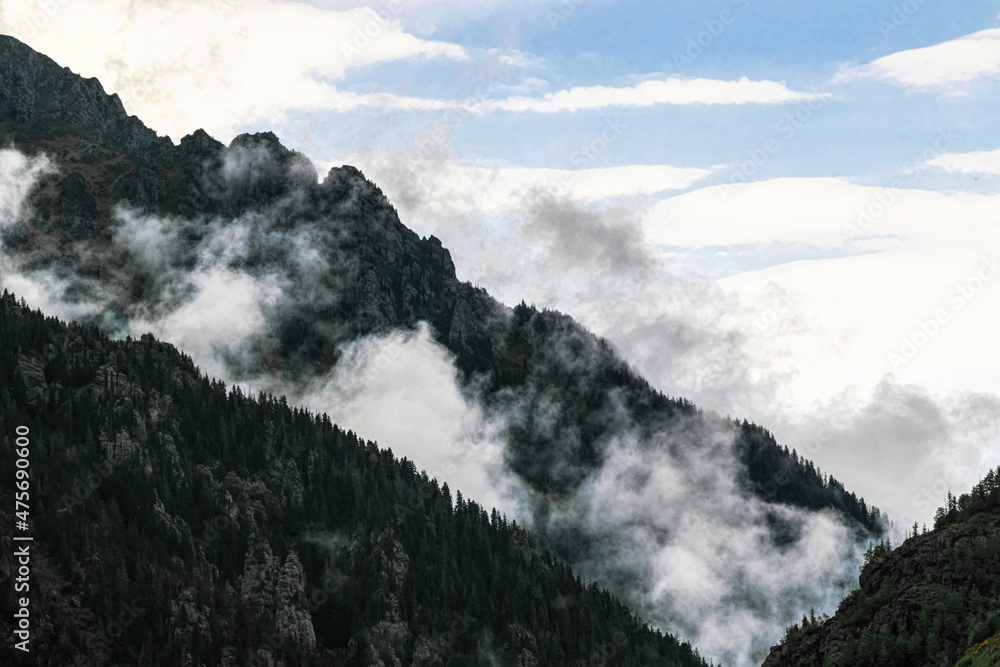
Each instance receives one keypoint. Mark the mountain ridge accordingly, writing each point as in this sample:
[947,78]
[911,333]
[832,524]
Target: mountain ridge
[180,522]
[396,296]
[349,269]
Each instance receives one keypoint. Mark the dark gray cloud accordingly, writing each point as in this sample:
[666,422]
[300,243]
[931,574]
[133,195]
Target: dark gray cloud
[901,446]
[576,237]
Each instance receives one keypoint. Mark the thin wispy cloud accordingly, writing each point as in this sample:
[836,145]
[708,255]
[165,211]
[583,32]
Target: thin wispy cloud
[822,212]
[974,162]
[666,92]
[943,65]
[473,187]
[670,91]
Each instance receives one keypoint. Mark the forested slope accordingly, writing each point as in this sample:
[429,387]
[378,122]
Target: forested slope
[933,600]
[176,521]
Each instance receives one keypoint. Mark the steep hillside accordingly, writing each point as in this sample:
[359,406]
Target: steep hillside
[178,522]
[280,273]
[934,600]
[366,273]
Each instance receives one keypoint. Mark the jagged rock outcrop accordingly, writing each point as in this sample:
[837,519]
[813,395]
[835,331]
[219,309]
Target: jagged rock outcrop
[390,633]
[369,272]
[43,98]
[31,369]
[526,645]
[260,576]
[277,591]
[920,603]
[292,620]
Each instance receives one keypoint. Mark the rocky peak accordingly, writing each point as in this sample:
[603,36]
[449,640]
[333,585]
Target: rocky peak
[42,97]
[266,140]
[199,144]
[260,170]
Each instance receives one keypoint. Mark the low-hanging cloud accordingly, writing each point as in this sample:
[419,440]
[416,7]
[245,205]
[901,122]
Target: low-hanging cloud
[704,555]
[18,175]
[576,236]
[663,522]
[403,391]
[44,288]
[904,445]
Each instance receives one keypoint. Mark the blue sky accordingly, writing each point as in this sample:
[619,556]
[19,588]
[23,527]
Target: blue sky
[867,130]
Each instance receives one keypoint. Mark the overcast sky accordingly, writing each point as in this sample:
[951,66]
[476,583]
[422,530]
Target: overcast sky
[786,211]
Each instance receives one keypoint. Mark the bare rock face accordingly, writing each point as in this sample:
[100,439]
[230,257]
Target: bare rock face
[77,208]
[121,447]
[277,591]
[189,617]
[36,93]
[176,525]
[31,370]
[292,618]
[389,634]
[260,576]
[526,644]
[426,653]
[142,187]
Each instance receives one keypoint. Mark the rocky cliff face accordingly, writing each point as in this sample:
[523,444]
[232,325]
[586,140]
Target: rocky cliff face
[376,273]
[924,603]
[45,101]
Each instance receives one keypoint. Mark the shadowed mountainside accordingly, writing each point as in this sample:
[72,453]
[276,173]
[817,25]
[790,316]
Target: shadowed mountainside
[124,228]
[368,274]
[178,522]
[933,600]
